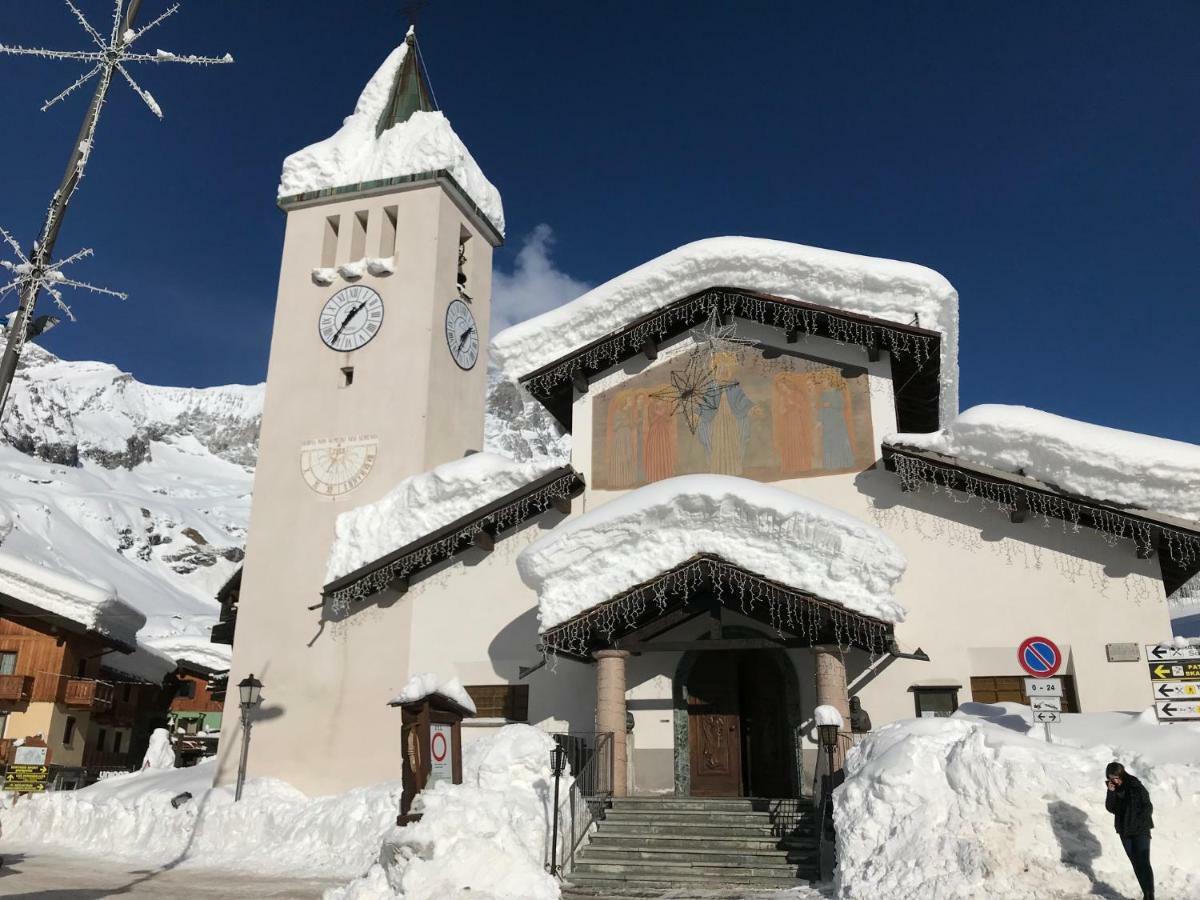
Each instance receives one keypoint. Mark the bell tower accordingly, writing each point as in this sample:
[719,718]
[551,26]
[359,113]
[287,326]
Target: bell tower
[377,371]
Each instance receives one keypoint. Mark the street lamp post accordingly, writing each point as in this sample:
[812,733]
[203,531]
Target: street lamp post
[250,689]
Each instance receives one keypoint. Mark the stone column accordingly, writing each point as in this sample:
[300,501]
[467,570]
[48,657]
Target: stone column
[831,691]
[610,710]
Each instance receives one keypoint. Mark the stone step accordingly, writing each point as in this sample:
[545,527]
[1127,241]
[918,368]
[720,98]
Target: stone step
[702,830]
[691,857]
[688,816]
[669,875]
[608,888]
[632,867]
[635,841]
[733,804]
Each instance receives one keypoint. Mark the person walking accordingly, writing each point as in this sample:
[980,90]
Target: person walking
[1129,802]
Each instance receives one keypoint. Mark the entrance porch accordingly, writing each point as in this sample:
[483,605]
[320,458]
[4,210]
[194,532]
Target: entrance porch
[748,659]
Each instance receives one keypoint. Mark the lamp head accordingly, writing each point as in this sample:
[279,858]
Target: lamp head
[250,689]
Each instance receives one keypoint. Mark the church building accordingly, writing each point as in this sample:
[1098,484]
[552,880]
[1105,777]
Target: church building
[764,498]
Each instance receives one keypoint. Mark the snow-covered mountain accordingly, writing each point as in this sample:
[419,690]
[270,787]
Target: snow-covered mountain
[145,489]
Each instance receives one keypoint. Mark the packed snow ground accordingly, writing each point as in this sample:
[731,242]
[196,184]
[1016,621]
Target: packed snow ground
[274,829]
[973,806]
[767,530]
[425,143]
[1106,464]
[882,288]
[423,503]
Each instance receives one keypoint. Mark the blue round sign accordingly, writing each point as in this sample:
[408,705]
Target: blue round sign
[1039,656]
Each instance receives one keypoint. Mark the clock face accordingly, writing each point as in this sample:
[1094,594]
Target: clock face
[350,318]
[336,466]
[462,336]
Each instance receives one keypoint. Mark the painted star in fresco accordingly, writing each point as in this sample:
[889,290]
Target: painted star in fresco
[694,390]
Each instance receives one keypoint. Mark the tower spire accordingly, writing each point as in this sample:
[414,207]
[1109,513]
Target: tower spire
[410,89]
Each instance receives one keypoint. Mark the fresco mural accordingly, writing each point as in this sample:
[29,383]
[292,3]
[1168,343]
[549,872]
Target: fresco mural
[732,413]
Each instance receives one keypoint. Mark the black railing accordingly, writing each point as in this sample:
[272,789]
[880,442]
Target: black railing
[824,782]
[590,762]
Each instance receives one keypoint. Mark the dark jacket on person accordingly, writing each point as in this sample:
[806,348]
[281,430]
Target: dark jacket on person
[1131,807]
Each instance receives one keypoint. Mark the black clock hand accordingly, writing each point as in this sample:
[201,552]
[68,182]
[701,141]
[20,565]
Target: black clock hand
[346,321]
[466,334]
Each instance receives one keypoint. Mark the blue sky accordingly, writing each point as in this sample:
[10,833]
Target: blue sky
[1044,157]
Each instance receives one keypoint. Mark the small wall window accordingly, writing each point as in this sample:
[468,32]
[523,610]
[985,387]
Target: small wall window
[69,731]
[1011,689]
[186,690]
[935,702]
[127,692]
[387,234]
[117,742]
[501,701]
[330,243]
[358,237]
[347,376]
[81,668]
[8,662]
[101,740]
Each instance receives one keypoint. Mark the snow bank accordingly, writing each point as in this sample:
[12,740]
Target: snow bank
[778,534]
[159,754]
[425,143]
[882,288]
[485,839]
[426,684]
[424,503]
[935,809]
[93,606]
[274,829]
[1119,467]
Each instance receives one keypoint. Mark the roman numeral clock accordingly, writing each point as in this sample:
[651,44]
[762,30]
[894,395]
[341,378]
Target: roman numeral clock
[350,318]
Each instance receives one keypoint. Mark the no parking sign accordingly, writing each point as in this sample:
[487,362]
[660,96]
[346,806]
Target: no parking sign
[441,767]
[1039,656]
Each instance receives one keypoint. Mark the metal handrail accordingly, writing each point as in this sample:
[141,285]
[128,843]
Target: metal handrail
[590,758]
[824,782]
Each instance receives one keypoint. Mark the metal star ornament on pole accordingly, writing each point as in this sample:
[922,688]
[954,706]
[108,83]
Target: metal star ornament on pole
[111,56]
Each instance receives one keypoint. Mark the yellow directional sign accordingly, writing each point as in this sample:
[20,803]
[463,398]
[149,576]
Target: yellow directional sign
[29,787]
[1175,671]
[28,770]
[28,778]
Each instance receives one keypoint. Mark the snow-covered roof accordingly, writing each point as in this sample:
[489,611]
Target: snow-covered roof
[766,530]
[423,503]
[427,684]
[93,607]
[421,145]
[144,663]
[1117,467]
[881,288]
[195,649]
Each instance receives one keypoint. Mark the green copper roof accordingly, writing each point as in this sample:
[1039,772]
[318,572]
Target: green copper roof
[410,91]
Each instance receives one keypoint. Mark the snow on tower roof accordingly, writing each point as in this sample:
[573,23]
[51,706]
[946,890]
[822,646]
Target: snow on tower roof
[772,532]
[881,288]
[1122,468]
[424,503]
[92,607]
[420,144]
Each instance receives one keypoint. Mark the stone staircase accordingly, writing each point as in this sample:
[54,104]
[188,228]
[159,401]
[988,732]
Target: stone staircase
[648,844]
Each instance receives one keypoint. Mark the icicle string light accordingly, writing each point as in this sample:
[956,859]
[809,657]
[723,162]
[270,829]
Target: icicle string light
[786,610]
[503,519]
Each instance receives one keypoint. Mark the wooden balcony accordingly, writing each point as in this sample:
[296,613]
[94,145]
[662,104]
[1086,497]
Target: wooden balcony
[83,693]
[16,688]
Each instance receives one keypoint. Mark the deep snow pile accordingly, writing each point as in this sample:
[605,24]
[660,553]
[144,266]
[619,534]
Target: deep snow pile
[423,144]
[485,839]
[423,503]
[93,605]
[1106,464]
[274,829]
[934,809]
[882,288]
[520,428]
[766,530]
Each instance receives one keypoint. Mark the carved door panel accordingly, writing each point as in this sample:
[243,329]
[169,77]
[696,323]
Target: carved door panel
[714,727]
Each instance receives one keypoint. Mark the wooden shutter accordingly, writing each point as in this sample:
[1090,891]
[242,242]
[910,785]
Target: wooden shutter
[501,701]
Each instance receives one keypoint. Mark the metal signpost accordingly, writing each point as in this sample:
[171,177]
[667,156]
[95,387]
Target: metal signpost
[1041,658]
[1174,682]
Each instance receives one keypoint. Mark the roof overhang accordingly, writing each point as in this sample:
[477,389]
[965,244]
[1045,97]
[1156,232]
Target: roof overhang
[1176,542]
[915,352]
[479,529]
[706,585]
[398,183]
[55,622]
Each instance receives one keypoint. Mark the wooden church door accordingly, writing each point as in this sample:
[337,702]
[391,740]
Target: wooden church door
[714,726]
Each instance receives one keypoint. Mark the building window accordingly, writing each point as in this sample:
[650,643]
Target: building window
[1011,689]
[186,690]
[329,247]
[81,668]
[935,702]
[101,740]
[8,662]
[127,692]
[116,742]
[501,701]
[69,731]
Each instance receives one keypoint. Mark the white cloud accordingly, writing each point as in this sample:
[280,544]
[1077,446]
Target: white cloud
[534,285]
